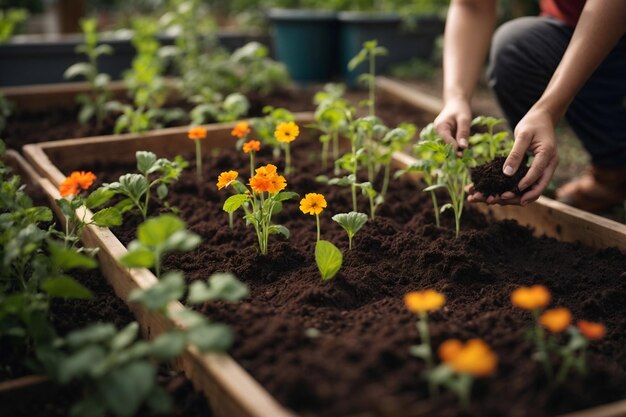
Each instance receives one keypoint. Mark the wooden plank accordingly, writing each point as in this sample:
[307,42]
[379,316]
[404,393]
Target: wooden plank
[232,391]
[409,95]
[23,382]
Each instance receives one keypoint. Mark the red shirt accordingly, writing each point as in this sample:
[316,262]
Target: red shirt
[567,11]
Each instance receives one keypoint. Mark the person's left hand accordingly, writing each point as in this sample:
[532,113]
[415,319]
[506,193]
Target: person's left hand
[534,133]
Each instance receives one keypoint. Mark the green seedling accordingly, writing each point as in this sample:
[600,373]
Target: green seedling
[351,222]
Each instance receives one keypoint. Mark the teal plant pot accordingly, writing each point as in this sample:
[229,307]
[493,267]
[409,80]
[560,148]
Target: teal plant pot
[403,42]
[306,42]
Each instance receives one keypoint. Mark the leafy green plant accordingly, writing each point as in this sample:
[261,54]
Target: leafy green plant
[154,173]
[395,140]
[429,161]
[94,104]
[328,259]
[266,126]
[351,222]
[211,106]
[146,85]
[487,146]
[10,19]
[155,238]
[369,52]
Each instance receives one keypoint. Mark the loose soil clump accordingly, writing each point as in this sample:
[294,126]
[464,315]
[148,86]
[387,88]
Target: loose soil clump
[489,179]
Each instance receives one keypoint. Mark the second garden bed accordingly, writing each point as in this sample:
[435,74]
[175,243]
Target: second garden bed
[342,347]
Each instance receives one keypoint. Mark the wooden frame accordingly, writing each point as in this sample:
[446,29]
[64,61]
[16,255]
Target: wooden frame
[231,391]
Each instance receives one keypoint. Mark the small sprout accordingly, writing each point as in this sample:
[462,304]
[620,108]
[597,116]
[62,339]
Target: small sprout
[421,303]
[369,52]
[197,134]
[286,133]
[351,222]
[328,259]
[313,204]
[221,286]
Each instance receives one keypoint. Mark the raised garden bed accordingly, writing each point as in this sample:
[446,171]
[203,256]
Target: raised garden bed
[359,361]
[23,393]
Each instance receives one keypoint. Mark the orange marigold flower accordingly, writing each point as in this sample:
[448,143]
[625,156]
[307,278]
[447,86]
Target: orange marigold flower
[266,171]
[253,145]
[196,133]
[75,182]
[531,298]
[267,180]
[592,331]
[473,358]
[313,204]
[287,132]
[260,184]
[241,130]
[277,183]
[226,178]
[556,320]
[424,301]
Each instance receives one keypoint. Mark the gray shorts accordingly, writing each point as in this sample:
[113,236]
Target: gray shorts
[525,53]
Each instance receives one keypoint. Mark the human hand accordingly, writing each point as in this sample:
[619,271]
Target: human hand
[453,123]
[534,133]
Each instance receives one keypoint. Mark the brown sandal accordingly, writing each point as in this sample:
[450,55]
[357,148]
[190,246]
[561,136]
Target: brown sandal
[597,190]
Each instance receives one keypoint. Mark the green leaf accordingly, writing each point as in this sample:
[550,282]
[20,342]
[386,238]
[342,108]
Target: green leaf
[156,231]
[214,337]
[125,337]
[107,217]
[221,286]
[95,333]
[99,197]
[277,229]
[170,288]
[67,258]
[328,258]
[420,351]
[124,389]
[285,195]
[351,222]
[80,363]
[65,287]
[446,207]
[233,202]
[78,69]
[145,161]
[434,187]
[138,257]
[168,345]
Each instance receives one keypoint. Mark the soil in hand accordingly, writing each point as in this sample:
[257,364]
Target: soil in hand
[489,179]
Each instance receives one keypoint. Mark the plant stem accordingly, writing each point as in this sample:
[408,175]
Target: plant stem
[287,159]
[324,155]
[349,241]
[317,219]
[433,196]
[336,149]
[230,219]
[383,192]
[198,158]
[372,85]
[541,345]
[465,392]
[251,164]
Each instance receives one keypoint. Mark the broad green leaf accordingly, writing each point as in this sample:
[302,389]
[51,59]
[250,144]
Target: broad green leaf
[221,286]
[171,287]
[125,337]
[95,333]
[277,229]
[214,337]
[233,202]
[328,258]
[156,231]
[80,363]
[107,217]
[138,256]
[145,161]
[99,197]
[65,287]
[124,389]
[351,222]
[168,345]
[285,195]
[67,258]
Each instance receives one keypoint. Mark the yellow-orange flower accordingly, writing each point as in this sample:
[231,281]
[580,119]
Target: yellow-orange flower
[556,320]
[241,130]
[196,133]
[75,182]
[424,301]
[474,357]
[253,145]
[226,178]
[592,331]
[313,204]
[531,298]
[267,180]
[287,132]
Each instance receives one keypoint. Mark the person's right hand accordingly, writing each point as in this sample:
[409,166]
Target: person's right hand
[453,123]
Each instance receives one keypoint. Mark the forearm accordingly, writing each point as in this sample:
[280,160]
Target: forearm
[469,28]
[601,25]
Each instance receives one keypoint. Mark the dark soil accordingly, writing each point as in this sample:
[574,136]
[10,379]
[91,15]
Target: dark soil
[357,357]
[489,179]
[25,127]
[68,315]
